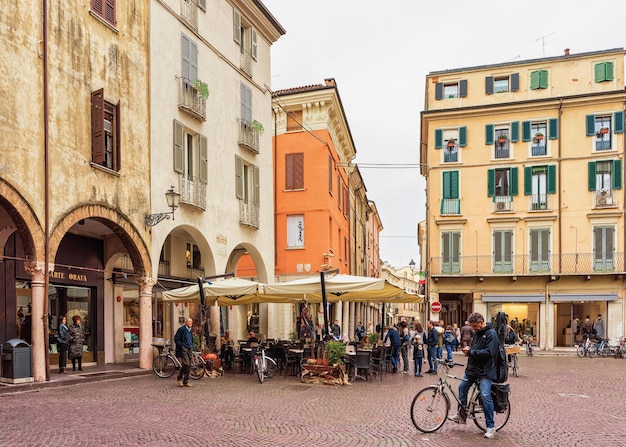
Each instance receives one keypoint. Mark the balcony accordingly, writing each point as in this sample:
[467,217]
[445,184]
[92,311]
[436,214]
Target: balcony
[245,62]
[248,136]
[604,199]
[249,214]
[528,265]
[450,207]
[193,191]
[540,202]
[190,101]
[189,12]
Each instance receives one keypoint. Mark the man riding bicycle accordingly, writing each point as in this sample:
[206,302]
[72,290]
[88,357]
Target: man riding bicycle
[480,368]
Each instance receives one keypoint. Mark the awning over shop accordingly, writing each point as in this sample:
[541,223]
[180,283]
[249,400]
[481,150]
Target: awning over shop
[519,298]
[567,297]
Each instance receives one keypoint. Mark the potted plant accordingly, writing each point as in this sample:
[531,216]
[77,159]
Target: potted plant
[451,142]
[335,352]
[604,130]
[502,138]
[254,124]
[202,88]
[538,136]
[373,338]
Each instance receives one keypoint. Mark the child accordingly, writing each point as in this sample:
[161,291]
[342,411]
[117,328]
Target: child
[449,341]
[418,355]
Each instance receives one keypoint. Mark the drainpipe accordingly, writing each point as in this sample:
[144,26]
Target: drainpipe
[46,110]
[558,160]
[274,180]
[624,207]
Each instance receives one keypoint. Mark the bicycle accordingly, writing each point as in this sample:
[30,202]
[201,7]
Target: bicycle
[585,348]
[600,348]
[165,364]
[431,405]
[514,365]
[265,366]
[528,340]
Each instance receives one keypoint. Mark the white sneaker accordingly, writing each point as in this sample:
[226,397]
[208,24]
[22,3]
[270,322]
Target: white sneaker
[455,417]
[490,433]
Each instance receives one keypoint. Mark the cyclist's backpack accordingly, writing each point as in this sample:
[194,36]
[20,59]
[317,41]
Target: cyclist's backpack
[500,396]
[502,365]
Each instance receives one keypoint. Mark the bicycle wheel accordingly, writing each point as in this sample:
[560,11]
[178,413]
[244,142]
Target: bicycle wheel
[429,409]
[580,351]
[593,350]
[499,418]
[258,364]
[163,366]
[514,365]
[198,367]
[270,367]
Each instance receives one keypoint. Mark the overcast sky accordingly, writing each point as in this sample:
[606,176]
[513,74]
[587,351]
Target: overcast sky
[379,53]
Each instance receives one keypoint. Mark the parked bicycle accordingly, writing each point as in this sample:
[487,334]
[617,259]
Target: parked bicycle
[165,364]
[265,366]
[431,405]
[528,340]
[586,347]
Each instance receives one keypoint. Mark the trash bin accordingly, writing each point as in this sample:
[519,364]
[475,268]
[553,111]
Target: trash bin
[16,362]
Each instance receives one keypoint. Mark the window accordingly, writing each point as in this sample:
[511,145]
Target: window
[501,148]
[449,90]
[450,252]
[603,248]
[603,178]
[502,84]
[603,72]
[539,181]
[499,136]
[330,174]
[294,171]
[105,9]
[191,160]
[540,250]
[294,121]
[295,231]
[247,191]
[600,127]
[502,251]
[502,186]
[538,132]
[105,132]
[248,131]
[193,257]
[189,12]
[539,79]
[450,140]
[246,37]
[450,203]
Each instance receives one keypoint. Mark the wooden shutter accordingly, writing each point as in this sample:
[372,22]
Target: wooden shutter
[616,175]
[489,85]
[462,136]
[256,193]
[97,126]
[239,177]
[330,174]
[489,134]
[618,122]
[246,103]
[463,88]
[513,182]
[193,61]
[294,171]
[491,183]
[97,6]
[551,188]
[543,78]
[514,82]
[109,11]
[534,80]
[185,57]
[591,176]
[202,5]
[590,121]
[438,138]
[553,128]
[451,185]
[439,90]
[514,131]
[204,158]
[608,71]
[236,26]
[525,130]
[528,181]
[178,147]
[117,152]
[254,44]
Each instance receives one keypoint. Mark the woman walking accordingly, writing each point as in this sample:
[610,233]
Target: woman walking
[62,339]
[77,339]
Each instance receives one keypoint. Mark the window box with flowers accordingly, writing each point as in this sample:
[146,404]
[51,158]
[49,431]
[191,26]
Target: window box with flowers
[538,137]
[502,138]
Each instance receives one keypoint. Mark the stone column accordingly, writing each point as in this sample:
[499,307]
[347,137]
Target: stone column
[39,321]
[145,322]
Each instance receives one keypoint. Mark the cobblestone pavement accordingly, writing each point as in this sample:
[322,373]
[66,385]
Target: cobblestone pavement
[556,401]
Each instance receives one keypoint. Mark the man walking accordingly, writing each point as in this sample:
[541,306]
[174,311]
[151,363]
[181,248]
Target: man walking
[480,368]
[184,351]
[396,343]
[431,342]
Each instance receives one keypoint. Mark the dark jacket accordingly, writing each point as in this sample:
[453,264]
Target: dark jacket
[433,338]
[480,362]
[394,336]
[77,339]
[183,339]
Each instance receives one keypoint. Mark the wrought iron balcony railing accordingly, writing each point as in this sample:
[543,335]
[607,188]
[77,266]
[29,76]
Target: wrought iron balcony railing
[193,191]
[190,100]
[528,265]
[249,214]
[248,136]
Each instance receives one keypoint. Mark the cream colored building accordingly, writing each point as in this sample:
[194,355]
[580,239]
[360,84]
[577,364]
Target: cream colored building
[525,196]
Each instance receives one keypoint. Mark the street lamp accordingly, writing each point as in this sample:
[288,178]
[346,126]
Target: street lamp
[173,199]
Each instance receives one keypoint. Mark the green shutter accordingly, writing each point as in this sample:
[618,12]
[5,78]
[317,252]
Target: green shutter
[618,122]
[178,147]
[462,136]
[617,174]
[553,128]
[491,183]
[591,176]
[489,134]
[438,138]
[528,184]
[543,78]
[551,179]
[525,130]
[608,71]
[451,185]
[489,86]
[204,157]
[599,72]
[514,131]
[463,88]
[514,82]
[439,90]
[591,125]
[534,80]
[513,182]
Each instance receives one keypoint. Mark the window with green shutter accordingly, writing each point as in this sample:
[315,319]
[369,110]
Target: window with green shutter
[539,79]
[618,122]
[603,71]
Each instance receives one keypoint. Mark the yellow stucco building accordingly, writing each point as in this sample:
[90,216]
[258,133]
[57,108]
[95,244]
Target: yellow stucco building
[525,196]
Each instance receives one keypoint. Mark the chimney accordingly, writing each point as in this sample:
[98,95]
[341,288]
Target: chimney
[330,81]
[566,51]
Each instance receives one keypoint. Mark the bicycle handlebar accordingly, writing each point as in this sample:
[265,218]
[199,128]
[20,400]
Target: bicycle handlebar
[445,362]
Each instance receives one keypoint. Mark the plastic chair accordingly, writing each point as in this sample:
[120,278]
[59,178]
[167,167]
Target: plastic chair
[361,362]
[377,362]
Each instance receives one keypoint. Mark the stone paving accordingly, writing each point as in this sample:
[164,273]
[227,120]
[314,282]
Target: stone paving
[556,401]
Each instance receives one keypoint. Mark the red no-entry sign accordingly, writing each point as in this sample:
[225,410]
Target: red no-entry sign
[435,306]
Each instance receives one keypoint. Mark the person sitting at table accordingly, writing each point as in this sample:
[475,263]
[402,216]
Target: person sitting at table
[252,337]
[227,354]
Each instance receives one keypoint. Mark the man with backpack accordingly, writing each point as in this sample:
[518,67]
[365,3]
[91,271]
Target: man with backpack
[481,368]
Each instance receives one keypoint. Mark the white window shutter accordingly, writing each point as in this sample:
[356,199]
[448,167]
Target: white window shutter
[254,44]
[236,26]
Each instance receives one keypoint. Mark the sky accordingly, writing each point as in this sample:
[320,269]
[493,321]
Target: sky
[379,53]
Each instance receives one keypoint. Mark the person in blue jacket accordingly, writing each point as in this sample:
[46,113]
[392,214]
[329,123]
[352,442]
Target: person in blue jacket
[481,368]
[184,351]
[396,343]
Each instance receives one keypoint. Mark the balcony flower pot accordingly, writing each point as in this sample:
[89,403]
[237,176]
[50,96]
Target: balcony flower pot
[254,124]
[451,143]
[202,88]
[604,130]
[502,138]
[538,136]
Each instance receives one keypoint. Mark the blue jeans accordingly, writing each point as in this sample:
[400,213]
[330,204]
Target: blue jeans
[395,355]
[418,365]
[432,358]
[449,351]
[485,393]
